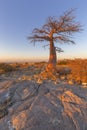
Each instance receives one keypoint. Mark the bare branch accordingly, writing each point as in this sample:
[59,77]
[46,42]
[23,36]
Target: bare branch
[59,50]
[46,45]
[36,38]
[40,31]
[57,29]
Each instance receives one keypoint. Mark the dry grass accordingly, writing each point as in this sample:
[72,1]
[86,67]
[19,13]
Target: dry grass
[78,69]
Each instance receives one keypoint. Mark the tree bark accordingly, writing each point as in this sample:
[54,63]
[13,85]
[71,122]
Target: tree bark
[52,59]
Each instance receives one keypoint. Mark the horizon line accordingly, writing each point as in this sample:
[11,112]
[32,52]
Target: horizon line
[39,60]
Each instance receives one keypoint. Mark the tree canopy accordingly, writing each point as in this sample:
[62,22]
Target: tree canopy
[58,30]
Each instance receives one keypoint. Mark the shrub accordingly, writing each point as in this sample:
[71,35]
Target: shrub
[6,68]
[63,62]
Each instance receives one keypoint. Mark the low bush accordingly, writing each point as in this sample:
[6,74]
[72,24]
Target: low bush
[62,62]
[6,68]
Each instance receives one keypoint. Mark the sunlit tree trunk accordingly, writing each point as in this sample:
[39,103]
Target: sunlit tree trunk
[52,58]
[55,30]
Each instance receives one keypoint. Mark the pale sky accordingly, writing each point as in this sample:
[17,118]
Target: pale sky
[19,17]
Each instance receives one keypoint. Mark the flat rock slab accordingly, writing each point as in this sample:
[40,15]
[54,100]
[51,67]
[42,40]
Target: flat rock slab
[45,106]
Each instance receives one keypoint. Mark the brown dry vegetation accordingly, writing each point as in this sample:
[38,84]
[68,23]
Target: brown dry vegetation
[74,71]
[78,69]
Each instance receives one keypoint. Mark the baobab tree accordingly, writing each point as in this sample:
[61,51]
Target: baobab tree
[56,30]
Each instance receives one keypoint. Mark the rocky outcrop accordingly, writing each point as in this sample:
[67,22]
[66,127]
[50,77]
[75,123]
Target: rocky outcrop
[42,106]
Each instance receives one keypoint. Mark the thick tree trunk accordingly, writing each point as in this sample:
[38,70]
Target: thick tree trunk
[52,59]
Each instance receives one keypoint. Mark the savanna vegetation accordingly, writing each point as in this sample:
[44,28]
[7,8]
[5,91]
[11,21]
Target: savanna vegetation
[73,70]
[4,68]
[79,70]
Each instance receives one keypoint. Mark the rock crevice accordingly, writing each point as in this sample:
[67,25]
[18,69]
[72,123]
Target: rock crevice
[43,106]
